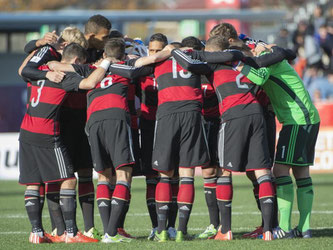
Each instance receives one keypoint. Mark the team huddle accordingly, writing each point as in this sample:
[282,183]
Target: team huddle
[210,105]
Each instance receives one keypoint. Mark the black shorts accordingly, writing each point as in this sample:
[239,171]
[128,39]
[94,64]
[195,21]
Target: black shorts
[76,141]
[137,171]
[180,141]
[111,144]
[296,145]
[147,128]
[212,127]
[271,133]
[39,164]
[243,144]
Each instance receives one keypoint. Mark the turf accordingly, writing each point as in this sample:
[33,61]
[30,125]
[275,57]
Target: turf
[15,226]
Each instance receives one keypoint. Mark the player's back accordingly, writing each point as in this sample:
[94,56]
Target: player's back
[236,93]
[178,90]
[40,125]
[108,100]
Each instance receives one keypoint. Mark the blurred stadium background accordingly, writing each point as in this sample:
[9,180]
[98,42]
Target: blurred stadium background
[301,25]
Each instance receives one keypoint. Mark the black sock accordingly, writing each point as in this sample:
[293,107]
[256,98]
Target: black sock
[119,199]
[67,204]
[211,201]
[86,199]
[41,199]
[32,205]
[123,215]
[173,206]
[224,194]
[52,198]
[275,220]
[150,199]
[266,197]
[103,196]
[185,201]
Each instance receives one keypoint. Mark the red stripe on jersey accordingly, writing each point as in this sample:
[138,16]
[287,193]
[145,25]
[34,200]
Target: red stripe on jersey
[148,112]
[228,75]
[48,95]
[179,93]
[211,112]
[134,122]
[237,99]
[54,53]
[106,102]
[40,125]
[44,67]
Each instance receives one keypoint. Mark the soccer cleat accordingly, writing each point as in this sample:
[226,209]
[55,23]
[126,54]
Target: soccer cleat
[152,233]
[172,232]
[115,239]
[122,232]
[221,236]
[254,234]
[279,233]
[79,238]
[162,236]
[38,238]
[209,233]
[267,236]
[298,234]
[58,239]
[93,233]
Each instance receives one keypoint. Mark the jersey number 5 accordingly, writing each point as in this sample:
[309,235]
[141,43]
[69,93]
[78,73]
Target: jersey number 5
[35,102]
[181,73]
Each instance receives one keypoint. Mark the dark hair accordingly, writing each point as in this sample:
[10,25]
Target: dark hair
[95,23]
[74,50]
[116,34]
[218,42]
[192,42]
[115,47]
[176,44]
[159,37]
[226,30]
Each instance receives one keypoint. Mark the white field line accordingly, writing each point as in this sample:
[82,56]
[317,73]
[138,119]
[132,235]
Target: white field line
[190,229]
[20,216]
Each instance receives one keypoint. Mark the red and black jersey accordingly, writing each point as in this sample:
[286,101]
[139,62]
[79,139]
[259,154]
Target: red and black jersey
[179,90]
[108,100]
[210,109]
[236,93]
[149,102]
[40,125]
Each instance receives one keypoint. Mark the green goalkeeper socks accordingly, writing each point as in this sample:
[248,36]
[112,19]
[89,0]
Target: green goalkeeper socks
[285,198]
[304,202]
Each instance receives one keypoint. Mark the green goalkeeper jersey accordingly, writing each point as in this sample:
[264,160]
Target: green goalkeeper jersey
[291,101]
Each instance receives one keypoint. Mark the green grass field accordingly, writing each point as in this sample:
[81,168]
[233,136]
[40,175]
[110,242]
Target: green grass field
[15,226]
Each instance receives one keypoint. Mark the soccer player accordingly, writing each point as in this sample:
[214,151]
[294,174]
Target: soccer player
[296,144]
[242,134]
[179,142]
[71,133]
[148,94]
[96,31]
[228,31]
[109,133]
[43,157]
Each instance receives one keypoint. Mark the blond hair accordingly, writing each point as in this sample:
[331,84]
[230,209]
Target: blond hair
[73,35]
